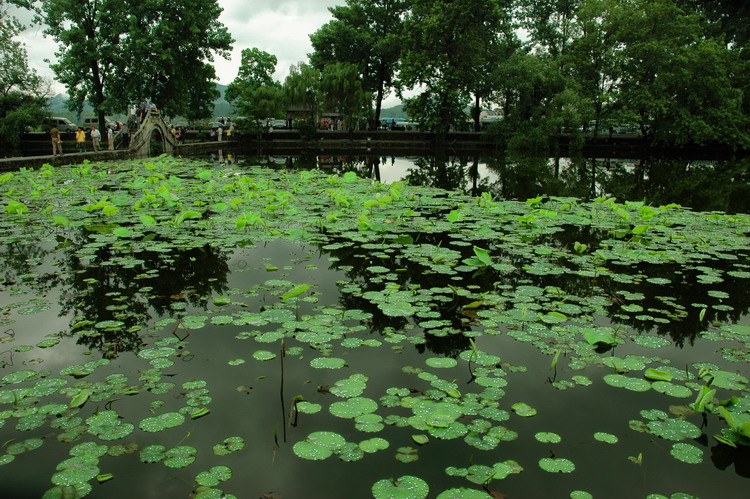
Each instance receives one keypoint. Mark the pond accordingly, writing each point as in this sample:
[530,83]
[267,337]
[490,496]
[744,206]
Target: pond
[701,184]
[174,327]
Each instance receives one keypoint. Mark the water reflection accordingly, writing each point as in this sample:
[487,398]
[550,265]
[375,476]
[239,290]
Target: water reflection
[112,294]
[704,185]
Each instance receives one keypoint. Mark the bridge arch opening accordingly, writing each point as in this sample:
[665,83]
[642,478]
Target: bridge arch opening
[156,145]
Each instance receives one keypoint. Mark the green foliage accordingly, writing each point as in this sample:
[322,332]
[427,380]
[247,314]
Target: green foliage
[368,35]
[112,58]
[253,92]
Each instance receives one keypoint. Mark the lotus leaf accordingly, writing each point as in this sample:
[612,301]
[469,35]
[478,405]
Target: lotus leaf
[214,476]
[548,438]
[76,469]
[523,409]
[687,453]
[327,363]
[162,422]
[605,437]
[406,454]
[353,407]
[557,465]
[373,445]
[463,493]
[229,445]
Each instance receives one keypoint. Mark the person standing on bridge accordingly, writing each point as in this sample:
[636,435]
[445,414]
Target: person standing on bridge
[110,139]
[81,140]
[54,135]
[125,135]
[219,131]
[96,136]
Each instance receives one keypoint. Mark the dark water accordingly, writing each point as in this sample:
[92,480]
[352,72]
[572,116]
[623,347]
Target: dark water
[255,399]
[703,185]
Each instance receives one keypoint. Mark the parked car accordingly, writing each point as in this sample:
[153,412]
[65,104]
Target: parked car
[278,124]
[93,121]
[62,124]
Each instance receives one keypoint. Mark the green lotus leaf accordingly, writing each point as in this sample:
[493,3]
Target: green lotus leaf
[350,452]
[580,494]
[327,363]
[407,454]
[546,437]
[319,445]
[353,407]
[369,423]
[19,376]
[162,422]
[214,476]
[672,390]
[155,353]
[25,446]
[407,486]
[441,362]
[557,465]
[107,426]
[463,493]
[308,407]
[373,445]
[687,453]
[523,409]
[153,453]
[674,429]
[353,386]
[65,491]
[237,362]
[179,457]
[633,384]
[76,469]
[229,445]
[605,437]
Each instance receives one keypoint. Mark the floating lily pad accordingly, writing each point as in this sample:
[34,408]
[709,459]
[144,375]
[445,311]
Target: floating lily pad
[319,445]
[162,422]
[405,487]
[557,465]
[441,362]
[229,445]
[605,437]
[546,437]
[523,409]
[373,445]
[687,453]
[263,355]
[214,476]
[180,457]
[327,363]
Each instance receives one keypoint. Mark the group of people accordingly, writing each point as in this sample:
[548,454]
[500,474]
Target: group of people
[95,135]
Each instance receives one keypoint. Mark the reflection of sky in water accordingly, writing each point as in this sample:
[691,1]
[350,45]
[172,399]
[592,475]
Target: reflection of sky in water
[259,416]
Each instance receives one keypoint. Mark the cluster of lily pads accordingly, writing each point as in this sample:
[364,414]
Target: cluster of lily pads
[426,269]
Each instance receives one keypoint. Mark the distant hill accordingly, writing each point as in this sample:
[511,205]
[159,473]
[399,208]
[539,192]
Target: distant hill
[57,106]
[394,112]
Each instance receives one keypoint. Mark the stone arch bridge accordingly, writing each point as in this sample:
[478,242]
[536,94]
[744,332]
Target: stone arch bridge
[153,137]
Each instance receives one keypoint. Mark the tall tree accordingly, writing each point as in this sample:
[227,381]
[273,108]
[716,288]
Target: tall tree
[366,33]
[254,85]
[445,40]
[111,56]
[341,87]
[550,23]
[679,85]
[22,92]
[302,90]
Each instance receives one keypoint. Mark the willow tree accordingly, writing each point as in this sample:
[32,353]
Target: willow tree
[368,34]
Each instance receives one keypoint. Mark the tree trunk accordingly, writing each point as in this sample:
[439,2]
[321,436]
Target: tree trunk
[477,113]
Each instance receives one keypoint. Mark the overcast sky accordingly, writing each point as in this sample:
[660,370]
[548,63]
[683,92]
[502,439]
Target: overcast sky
[280,27]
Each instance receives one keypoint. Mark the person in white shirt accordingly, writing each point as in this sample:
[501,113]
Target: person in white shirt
[96,136]
[110,139]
